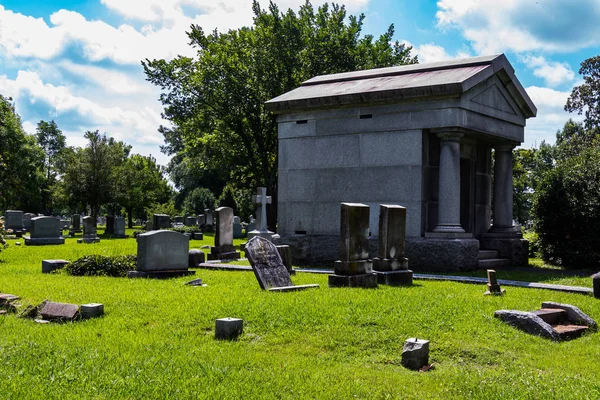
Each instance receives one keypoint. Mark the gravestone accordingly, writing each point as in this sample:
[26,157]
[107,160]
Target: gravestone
[237,228]
[223,248]
[191,221]
[251,225]
[75,224]
[44,230]
[261,200]
[415,353]
[110,225]
[52,265]
[161,254]
[285,252]
[89,230]
[201,220]
[59,311]
[208,220]
[161,221]
[148,226]
[65,224]
[391,267]
[596,285]
[354,267]
[119,228]
[13,219]
[493,287]
[178,219]
[268,266]
[27,221]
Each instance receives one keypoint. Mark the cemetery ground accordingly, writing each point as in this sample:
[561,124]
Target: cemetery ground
[156,339]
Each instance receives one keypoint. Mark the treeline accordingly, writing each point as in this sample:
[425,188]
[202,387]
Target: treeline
[39,173]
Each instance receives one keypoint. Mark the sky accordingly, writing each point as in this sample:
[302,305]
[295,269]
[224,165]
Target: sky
[79,62]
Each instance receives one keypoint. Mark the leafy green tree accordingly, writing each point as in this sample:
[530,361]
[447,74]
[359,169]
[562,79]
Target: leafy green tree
[216,100]
[141,184]
[53,142]
[20,163]
[198,200]
[586,97]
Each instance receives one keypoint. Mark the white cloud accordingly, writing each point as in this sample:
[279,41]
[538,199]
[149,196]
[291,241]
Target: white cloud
[109,81]
[546,25]
[430,52]
[554,73]
[551,116]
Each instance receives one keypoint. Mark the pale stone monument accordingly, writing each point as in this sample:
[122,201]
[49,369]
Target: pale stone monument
[13,219]
[90,234]
[391,266]
[223,248]
[418,135]
[237,228]
[161,254]
[354,268]
[44,230]
[119,227]
[261,200]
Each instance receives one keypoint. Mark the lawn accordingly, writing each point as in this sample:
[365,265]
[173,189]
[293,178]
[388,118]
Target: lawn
[156,339]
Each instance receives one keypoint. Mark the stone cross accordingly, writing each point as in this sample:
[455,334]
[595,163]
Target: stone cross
[261,200]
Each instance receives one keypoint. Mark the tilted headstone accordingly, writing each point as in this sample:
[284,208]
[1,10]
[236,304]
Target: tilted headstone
[13,219]
[391,266]
[191,221]
[237,228]
[162,254]
[268,266]
[110,225]
[75,224]
[27,220]
[223,248]
[89,230]
[161,221]
[261,200]
[44,230]
[354,267]
[119,228]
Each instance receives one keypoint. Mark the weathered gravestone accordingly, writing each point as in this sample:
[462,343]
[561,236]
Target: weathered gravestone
[178,219]
[191,221]
[261,200]
[223,248]
[75,224]
[64,224]
[44,230]
[148,226]
[13,219]
[161,221]
[208,220]
[354,267]
[268,266]
[201,220]
[119,228]
[110,225]
[391,266]
[237,228]
[89,230]
[59,311]
[161,254]
[27,221]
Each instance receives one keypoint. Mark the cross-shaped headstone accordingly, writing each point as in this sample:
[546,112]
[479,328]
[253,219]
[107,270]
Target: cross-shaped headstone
[261,198]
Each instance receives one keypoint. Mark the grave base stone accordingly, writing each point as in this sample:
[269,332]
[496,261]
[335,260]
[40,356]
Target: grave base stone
[224,252]
[228,328]
[52,265]
[362,280]
[197,235]
[43,241]
[196,257]
[415,353]
[59,311]
[395,278]
[160,274]
[91,310]
[286,255]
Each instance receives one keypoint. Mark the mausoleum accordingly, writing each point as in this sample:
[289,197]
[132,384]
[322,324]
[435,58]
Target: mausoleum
[421,136]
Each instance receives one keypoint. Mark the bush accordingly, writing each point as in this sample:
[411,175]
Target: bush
[98,265]
[2,241]
[567,207]
[185,229]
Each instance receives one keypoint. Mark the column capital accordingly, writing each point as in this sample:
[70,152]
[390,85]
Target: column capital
[450,136]
[504,147]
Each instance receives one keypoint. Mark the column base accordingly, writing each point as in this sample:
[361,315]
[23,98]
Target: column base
[449,228]
[390,264]
[363,280]
[358,267]
[507,231]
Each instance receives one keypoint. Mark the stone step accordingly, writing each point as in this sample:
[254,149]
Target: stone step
[487,254]
[567,332]
[552,316]
[494,263]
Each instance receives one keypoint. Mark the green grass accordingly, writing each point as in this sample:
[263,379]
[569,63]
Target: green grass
[156,339]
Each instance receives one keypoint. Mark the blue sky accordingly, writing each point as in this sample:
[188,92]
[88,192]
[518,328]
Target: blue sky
[78,62]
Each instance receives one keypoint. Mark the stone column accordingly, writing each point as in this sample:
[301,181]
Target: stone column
[503,190]
[449,187]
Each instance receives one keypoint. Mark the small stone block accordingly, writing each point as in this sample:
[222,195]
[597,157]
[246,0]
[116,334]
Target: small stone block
[395,278]
[285,252]
[42,321]
[195,258]
[6,298]
[364,280]
[390,264]
[596,283]
[415,353]
[353,267]
[195,282]
[228,328]
[59,311]
[79,240]
[92,310]
[52,265]
[197,235]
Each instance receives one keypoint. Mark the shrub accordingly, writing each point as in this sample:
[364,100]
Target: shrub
[185,229]
[98,265]
[567,207]
[2,241]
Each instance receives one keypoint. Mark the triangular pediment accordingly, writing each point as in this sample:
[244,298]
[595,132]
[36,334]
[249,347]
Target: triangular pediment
[494,98]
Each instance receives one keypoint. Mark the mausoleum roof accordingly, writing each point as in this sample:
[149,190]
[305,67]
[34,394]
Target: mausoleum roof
[407,82]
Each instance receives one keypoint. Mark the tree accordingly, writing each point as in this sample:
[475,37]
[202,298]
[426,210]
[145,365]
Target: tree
[53,142]
[20,163]
[141,184]
[198,200]
[586,97]
[216,101]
